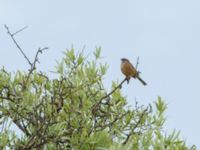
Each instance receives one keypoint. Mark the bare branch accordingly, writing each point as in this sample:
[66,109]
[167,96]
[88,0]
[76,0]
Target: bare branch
[12,37]
[20,30]
[137,63]
[40,50]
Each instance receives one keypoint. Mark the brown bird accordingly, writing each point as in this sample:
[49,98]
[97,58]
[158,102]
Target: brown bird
[129,70]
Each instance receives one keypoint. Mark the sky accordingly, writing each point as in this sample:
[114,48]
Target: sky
[165,36]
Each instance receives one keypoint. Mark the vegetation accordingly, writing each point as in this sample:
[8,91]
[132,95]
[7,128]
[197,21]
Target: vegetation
[73,110]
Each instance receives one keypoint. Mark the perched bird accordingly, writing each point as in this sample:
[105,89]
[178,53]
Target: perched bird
[129,70]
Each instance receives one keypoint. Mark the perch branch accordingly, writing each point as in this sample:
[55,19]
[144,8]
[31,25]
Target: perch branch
[95,106]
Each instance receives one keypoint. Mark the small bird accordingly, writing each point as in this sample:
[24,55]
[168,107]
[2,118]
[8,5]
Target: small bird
[129,70]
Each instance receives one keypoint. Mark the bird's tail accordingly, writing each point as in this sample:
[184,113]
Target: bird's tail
[143,82]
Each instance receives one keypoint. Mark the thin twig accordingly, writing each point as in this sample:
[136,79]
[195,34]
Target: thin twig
[36,57]
[32,64]
[136,125]
[137,63]
[12,37]
[20,30]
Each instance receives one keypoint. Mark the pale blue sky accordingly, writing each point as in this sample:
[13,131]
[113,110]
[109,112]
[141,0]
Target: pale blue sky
[164,34]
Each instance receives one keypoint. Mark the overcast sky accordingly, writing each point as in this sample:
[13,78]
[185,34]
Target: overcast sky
[164,34]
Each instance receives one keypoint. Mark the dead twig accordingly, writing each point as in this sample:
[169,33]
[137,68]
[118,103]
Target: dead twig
[39,51]
[33,65]
[20,30]
[137,63]
[12,37]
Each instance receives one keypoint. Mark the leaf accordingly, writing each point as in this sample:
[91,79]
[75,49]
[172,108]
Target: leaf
[97,52]
[160,105]
[80,59]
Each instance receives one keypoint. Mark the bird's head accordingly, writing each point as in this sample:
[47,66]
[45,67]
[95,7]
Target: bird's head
[124,60]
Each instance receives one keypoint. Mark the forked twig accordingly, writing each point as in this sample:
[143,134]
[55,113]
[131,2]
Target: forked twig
[20,30]
[40,50]
[12,37]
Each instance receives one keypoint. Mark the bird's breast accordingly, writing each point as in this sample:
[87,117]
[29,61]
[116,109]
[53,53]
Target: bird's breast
[128,70]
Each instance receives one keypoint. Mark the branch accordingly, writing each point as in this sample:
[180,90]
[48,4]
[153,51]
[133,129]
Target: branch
[33,65]
[24,130]
[137,63]
[40,50]
[110,124]
[12,37]
[20,30]
[95,106]
[136,125]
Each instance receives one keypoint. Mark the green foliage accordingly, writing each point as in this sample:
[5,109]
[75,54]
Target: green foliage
[75,111]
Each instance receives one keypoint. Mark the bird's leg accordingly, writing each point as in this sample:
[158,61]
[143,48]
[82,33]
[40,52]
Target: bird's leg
[128,79]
